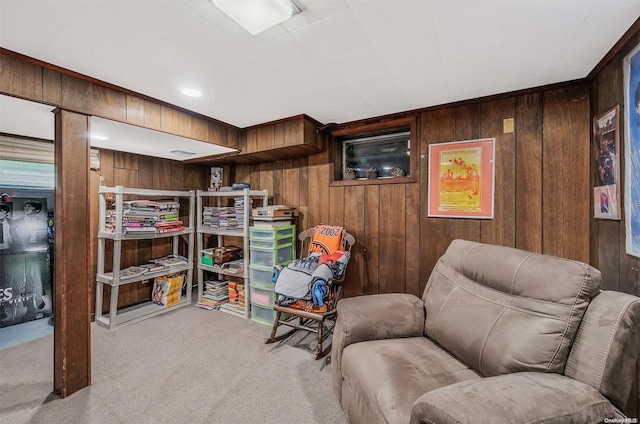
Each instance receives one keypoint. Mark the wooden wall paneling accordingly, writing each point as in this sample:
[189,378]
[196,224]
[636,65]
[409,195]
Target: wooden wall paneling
[254,177]
[566,208]
[278,135]
[412,239]
[51,86]
[197,177]
[202,130]
[20,78]
[107,162]
[265,137]
[252,140]
[435,233]
[290,184]
[392,225]
[266,178]
[175,122]
[109,103]
[501,229]
[277,183]
[336,206]
[354,223]
[152,115]
[177,176]
[76,94]
[316,202]
[128,162]
[304,180]
[242,175]
[135,110]
[293,132]
[232,137]
[323,192]
[371,240]
[528,172]
[161,174]
[144,166]
[73,290]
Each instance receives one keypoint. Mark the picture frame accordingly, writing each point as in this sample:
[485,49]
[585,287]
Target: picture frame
[462,179]
[631,72]
[606,143]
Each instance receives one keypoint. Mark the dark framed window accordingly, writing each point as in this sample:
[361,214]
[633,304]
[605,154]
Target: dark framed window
[378,153]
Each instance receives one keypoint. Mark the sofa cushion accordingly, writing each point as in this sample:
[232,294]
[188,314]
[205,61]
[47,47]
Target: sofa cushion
[405,369]
[532,398]
[503,310]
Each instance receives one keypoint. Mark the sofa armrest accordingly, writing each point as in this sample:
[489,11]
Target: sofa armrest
[530,397]
[373,317]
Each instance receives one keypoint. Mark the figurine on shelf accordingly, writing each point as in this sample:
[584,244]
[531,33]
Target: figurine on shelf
[397,172]
[349,174]
[372,173]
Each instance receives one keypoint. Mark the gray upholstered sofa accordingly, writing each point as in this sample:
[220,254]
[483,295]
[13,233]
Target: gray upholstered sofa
[500,336]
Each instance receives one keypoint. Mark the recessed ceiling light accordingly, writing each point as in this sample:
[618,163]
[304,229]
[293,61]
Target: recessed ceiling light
[258,15]
[191,92]
[99,137]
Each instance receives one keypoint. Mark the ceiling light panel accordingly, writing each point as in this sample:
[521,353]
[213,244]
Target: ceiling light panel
[257,16]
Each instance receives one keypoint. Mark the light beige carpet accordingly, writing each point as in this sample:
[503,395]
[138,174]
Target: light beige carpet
[186,366]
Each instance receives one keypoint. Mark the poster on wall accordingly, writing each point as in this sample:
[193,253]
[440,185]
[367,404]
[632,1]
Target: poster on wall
[631,68]
[606,191]
[25,266]
[461,179]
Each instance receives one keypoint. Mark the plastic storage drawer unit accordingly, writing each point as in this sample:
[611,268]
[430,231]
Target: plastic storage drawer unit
[270,257]
[261,275]
[262,295]
[262,314]
[272,233]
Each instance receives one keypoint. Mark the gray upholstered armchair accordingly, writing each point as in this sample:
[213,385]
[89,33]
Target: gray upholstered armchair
[500,336]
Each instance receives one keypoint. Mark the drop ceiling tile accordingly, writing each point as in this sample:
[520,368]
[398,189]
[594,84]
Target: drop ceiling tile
[465,62]
[285,55]
[618,18]
[358,63]
[400,17]
[534,15]
[18,18]
[550,40]
[335,35]
[372,84]
[419,73]
[462,25]
[409,48]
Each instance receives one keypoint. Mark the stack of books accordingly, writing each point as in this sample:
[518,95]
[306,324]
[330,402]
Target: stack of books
[219,218]
[151,216]
[236,294]
[216,292]
[239,211]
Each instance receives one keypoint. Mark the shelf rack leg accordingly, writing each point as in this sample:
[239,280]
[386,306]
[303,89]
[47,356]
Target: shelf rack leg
[113,307]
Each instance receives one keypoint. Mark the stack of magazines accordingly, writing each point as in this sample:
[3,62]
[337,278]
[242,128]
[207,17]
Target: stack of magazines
[216,292]
[149,216]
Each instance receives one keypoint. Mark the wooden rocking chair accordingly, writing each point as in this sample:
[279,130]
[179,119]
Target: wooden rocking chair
[312,319]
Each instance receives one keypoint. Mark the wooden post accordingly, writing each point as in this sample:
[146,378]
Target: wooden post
[72,290]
